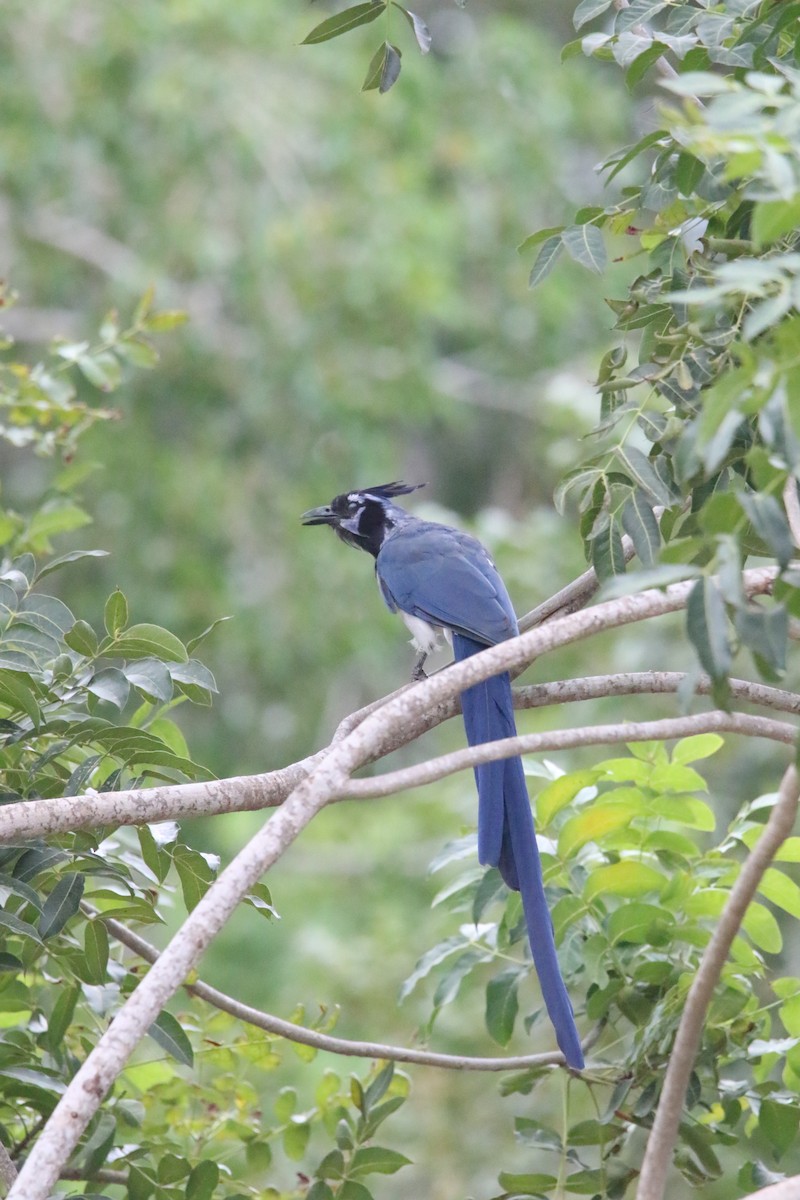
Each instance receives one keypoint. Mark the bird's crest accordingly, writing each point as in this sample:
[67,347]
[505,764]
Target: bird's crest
[386,491]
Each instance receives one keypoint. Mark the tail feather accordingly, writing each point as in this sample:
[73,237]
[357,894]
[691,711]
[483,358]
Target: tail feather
[506,838]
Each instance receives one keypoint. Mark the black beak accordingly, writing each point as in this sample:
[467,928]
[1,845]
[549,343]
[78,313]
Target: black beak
[319,516]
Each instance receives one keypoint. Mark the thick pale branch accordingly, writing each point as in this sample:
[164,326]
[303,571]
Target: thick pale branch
[41,818]
[325,1041]
[658,1155]
[568,739]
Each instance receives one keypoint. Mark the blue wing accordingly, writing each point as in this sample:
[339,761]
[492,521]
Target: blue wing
[445,577]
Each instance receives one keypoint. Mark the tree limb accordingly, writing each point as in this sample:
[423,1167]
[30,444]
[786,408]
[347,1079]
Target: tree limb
[372,737]
[567,739]
[324,1041]
[658,1155]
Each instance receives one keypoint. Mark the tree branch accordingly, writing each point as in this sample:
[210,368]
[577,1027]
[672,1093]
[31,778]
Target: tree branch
[8,1172]
[637,683]
[658,1154]
[399,717]
[324,1041]
[247,793]
[567,739]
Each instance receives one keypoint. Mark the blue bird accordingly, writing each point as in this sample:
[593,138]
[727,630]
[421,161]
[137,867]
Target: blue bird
[441,580]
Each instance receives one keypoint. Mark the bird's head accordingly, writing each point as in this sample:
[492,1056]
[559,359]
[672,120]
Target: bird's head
[362,518]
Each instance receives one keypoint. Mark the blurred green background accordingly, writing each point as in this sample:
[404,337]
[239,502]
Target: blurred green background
[358,312]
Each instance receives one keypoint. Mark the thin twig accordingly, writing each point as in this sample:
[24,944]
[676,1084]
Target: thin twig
[324,1041]
[567,739]
[101,1175]
[655,1166]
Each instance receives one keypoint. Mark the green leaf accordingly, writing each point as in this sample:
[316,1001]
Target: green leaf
[502,1004]
[421,31]
[383,70]
[82,638]
[202,1180]
[608,554]
[762,928]
[95,949]
[546,260]
[61,1017]
[150,676]
[194,642]
[706,623]
[377,1089]
[541,235]
[295,1140]
[640,923]
[195,874]
[170,1036]
[773,218]
[560,793]
[627,878]
[779,1124]
[641,470]
[700,745]
[765,632]
[319,1191]
[640,524]
[110,685]
[62,903]
[586,245]
[597,820]
[638,12]
[376,1160]
[73,556]
[770,523]
[586,11]
[102,369]
[532,1184]
[165,320]
[144,641]
[18,697]
[430,959]
[781,890]
[115,614]
[343,22]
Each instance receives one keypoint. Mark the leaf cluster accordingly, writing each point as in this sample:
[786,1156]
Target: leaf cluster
[698,432]
[636,889]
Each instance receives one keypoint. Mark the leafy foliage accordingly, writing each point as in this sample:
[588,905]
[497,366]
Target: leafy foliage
[636,888]
[699,396]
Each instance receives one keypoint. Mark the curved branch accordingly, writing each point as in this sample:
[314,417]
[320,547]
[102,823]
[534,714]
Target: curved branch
[324,1041]
[653,1177]
[637,683]
[398,718]
[568,739]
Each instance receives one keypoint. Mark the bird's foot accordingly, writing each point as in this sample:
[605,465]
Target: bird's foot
[417,672]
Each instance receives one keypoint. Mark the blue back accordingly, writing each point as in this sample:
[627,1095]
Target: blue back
[447,578]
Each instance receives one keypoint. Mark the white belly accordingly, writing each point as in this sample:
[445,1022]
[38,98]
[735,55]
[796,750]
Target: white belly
[424,636]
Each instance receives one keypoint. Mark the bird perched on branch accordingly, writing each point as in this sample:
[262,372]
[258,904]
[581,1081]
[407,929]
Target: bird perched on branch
[441,580]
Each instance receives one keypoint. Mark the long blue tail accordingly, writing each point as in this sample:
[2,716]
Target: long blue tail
[506,838]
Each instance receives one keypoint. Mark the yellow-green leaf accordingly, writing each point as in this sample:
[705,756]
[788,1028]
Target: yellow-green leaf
[627,878]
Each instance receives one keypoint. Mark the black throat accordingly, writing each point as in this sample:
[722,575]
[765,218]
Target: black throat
[369,527]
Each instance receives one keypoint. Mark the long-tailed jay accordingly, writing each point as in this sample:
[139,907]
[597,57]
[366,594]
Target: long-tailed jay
[440,579]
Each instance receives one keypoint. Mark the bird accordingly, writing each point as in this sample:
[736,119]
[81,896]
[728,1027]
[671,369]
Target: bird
[441,580]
